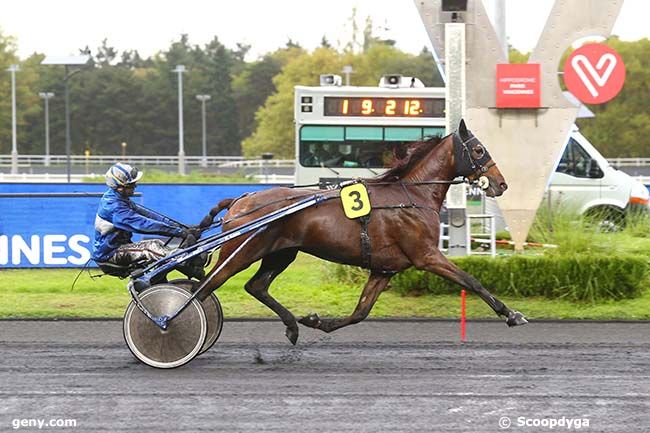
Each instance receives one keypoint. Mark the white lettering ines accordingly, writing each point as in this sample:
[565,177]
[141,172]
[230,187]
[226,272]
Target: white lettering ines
[47,250]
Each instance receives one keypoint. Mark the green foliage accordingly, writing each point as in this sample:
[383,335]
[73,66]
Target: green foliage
[576,278]
[195,176]
[300,288]
[581,268]
[26,99]
[516,56]
[251,88]
[275,132]
[125,98]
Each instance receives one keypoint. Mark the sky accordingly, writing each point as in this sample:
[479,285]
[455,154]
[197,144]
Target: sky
[61,27]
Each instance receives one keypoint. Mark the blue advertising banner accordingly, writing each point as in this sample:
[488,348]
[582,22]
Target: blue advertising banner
[52,225]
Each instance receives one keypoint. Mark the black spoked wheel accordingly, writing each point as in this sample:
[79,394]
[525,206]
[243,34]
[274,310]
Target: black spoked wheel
[213,313]
[180,342]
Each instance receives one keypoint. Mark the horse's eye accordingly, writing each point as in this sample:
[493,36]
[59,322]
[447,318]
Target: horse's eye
[479,151]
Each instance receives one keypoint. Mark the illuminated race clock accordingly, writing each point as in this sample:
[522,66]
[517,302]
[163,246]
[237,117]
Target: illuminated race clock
[384,107]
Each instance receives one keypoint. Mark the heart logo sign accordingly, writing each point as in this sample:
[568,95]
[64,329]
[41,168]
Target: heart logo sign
[594,73]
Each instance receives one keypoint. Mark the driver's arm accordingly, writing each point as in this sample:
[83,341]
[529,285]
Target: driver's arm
[125,218]
[153,215]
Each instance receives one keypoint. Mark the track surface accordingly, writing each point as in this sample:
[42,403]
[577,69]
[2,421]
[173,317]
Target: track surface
[379,376]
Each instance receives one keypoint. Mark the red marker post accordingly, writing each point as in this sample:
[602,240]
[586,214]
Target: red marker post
[462,315]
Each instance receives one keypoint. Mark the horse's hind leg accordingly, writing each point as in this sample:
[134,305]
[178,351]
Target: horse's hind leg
[258,286]
[376,284]
[439,265]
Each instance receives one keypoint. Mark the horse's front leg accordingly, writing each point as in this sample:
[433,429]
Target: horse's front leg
[376,284]
[440,265]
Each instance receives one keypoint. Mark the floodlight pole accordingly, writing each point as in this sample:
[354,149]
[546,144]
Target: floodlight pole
[67,62]
[181,147]
[46,97]
[68,139]
[14,146]
[204,159]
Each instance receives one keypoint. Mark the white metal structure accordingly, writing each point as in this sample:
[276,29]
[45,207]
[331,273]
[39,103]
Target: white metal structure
[345,131]
[141,160]
[14,146]
[203,99]
[180,69]
[485,236]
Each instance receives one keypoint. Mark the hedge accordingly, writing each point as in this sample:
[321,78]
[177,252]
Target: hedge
[578,277]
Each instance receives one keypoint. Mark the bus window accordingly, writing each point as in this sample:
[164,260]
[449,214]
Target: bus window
[356,146]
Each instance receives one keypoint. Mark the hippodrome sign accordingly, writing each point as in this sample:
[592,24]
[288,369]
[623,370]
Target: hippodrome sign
[594,73]
[518,85]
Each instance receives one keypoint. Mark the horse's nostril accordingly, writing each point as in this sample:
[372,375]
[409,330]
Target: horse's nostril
[504,186]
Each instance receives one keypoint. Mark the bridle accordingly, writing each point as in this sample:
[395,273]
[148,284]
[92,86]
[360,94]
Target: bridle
[466,165]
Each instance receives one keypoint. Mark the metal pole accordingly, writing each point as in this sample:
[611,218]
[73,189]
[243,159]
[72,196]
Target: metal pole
[181,145]
[67,123]
[14,144]
[47,131]
[46,97]
[205,149]
[455,108]
[204,159]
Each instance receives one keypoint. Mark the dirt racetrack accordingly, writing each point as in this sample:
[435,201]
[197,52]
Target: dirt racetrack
[378,376]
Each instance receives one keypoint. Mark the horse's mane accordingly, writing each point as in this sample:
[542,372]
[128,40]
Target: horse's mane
[410,155]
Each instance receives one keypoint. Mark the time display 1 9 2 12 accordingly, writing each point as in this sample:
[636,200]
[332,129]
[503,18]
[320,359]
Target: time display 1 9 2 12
[384,107]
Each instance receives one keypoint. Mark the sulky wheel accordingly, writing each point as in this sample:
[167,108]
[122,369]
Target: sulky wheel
[213,313]
[180,342]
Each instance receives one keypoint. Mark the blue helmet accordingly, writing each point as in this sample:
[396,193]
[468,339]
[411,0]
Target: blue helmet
[122,174]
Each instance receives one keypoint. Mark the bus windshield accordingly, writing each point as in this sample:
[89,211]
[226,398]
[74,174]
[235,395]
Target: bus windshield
[357,146]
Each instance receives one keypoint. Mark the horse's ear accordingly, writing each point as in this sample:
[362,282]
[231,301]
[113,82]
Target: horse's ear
[462,129]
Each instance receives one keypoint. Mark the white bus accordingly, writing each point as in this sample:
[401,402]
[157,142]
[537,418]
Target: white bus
[344,131]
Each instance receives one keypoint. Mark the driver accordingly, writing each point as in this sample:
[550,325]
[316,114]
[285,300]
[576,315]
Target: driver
[118,218]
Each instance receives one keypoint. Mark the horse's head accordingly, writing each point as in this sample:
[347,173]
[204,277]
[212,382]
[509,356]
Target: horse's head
[473,161]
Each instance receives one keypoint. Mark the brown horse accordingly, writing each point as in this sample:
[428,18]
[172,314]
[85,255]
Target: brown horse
[402,231]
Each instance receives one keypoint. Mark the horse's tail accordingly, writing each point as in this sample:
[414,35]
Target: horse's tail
[208,219]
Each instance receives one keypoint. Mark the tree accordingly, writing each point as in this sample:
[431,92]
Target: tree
[26,99]
[105,54]
[275,119]
[251,88]
[516,56]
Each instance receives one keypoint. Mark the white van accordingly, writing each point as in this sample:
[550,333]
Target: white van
[585,181]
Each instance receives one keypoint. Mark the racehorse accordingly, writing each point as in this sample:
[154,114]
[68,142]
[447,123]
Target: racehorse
[402,230]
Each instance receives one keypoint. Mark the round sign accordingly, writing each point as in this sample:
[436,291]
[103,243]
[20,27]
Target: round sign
[594,73]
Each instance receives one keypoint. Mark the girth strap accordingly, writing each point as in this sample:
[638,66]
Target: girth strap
[366,257]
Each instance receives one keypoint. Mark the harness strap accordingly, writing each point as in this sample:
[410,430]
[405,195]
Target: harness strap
[366,247]
[406,191]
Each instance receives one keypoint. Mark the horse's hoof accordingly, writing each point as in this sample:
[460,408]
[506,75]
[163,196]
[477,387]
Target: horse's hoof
[515,318]
[292,334]
[312,320]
